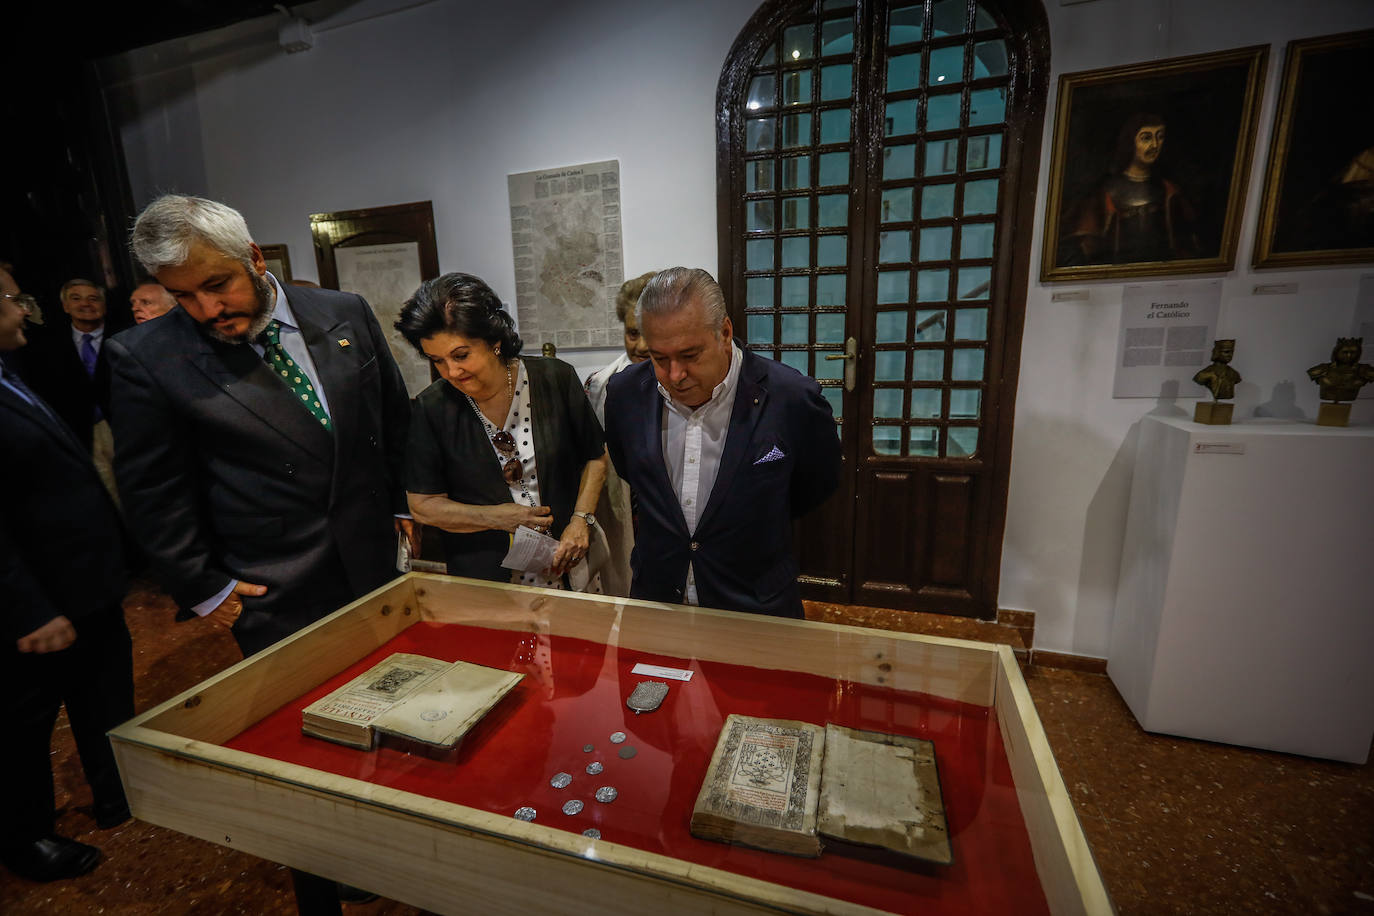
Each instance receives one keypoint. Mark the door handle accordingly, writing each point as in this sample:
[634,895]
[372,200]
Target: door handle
[850,355]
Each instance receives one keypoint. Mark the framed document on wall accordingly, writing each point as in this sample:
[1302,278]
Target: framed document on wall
[278,261]
[382,254]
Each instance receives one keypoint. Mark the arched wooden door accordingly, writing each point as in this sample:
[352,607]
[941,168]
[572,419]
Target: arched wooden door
[877,170]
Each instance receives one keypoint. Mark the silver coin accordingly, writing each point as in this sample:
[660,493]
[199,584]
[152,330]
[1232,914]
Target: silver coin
[592,833]
[587,748]
[524,814]
[627,752]
[572,807]
[606,794]
[594,767]
[561,780]
[618,738]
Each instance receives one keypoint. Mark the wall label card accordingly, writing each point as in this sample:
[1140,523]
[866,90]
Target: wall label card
[1165,338]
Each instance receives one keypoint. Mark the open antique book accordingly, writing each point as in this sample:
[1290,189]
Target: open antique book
[409,697]
[781,785]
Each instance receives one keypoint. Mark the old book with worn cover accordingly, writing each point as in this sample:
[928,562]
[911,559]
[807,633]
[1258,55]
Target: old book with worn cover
[346,715]
[762,786]
[782,785]
[884,791]
[442,710]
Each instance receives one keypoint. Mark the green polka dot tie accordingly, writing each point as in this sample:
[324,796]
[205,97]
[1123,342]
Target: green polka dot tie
[295,378]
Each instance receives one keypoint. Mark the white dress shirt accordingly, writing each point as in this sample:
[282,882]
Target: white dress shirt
[693,441]
[97,338]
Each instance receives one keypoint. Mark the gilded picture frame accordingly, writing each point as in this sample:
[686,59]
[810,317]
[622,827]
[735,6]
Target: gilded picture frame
[1150,167]
[278,261]
[1318,203]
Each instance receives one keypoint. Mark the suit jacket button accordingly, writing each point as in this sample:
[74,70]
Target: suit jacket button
[372,440]
[291,469]
[694,545]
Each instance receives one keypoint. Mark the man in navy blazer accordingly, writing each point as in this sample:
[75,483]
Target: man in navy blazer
[722,450]
[259,431]
[64,641]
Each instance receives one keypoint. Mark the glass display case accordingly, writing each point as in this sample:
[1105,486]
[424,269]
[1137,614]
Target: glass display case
[519,819]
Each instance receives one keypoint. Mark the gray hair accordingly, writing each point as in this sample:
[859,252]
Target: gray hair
[78,281]
[165,295]
[167,228]
[674,288]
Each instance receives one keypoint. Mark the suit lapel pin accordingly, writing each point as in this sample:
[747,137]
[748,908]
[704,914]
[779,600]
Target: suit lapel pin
[343,343]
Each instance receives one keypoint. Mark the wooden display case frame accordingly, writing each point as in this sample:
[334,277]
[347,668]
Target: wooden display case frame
[446,857]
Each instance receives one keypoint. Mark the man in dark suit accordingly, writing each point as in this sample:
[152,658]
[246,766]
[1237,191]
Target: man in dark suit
[259,432]
[66,365]
[61,583]
[722,449]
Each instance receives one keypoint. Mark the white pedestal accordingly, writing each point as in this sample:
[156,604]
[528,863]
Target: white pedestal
[1244,612]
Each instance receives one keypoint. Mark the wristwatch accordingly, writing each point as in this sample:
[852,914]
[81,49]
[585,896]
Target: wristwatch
[586,517]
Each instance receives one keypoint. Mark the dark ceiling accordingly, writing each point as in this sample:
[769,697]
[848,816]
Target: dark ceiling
[64,205]
[53,32]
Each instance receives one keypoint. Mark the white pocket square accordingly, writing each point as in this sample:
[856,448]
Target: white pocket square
[774,454]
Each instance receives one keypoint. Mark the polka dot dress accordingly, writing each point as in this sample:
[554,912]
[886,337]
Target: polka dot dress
[526,490]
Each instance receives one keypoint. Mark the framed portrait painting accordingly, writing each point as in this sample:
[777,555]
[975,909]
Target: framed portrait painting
[1318,203]
[1150,167]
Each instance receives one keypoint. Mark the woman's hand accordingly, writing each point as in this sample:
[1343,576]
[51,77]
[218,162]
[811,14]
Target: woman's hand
[572,546]
[509,516]
[461,518]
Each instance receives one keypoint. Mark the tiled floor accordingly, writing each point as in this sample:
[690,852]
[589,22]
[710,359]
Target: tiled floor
[1176,826]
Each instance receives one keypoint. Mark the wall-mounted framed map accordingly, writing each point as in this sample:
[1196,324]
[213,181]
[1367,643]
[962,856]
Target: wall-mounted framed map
[569,262]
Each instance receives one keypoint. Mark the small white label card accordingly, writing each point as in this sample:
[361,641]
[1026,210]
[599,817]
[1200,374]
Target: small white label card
[1218,448]
[676,674]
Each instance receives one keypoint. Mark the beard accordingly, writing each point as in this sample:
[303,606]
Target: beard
[262,315]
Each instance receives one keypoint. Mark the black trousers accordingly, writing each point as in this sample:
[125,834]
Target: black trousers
[94,677]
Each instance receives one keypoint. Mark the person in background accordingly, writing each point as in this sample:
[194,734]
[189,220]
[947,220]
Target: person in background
[500,440]
[62,579]
[150,300]
[615,512]
[67,366]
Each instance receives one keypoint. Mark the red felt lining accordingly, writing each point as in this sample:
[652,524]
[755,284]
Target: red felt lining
[574,694]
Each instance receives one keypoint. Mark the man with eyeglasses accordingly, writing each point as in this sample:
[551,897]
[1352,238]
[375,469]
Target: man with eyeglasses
[259,432]
[62,580]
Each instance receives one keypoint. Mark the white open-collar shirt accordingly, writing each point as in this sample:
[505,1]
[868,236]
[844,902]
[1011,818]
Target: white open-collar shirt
[693,441]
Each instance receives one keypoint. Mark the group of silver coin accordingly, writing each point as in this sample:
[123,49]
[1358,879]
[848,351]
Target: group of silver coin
[604,794]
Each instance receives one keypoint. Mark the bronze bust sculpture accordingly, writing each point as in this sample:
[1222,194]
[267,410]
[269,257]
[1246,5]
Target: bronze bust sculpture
[1219,378]
[1342,378]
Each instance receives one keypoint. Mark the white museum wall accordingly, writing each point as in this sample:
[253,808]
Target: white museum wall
[1074,444]
[441,100]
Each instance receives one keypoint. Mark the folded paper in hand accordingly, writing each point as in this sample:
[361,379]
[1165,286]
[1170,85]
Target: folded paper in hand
[530,551]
